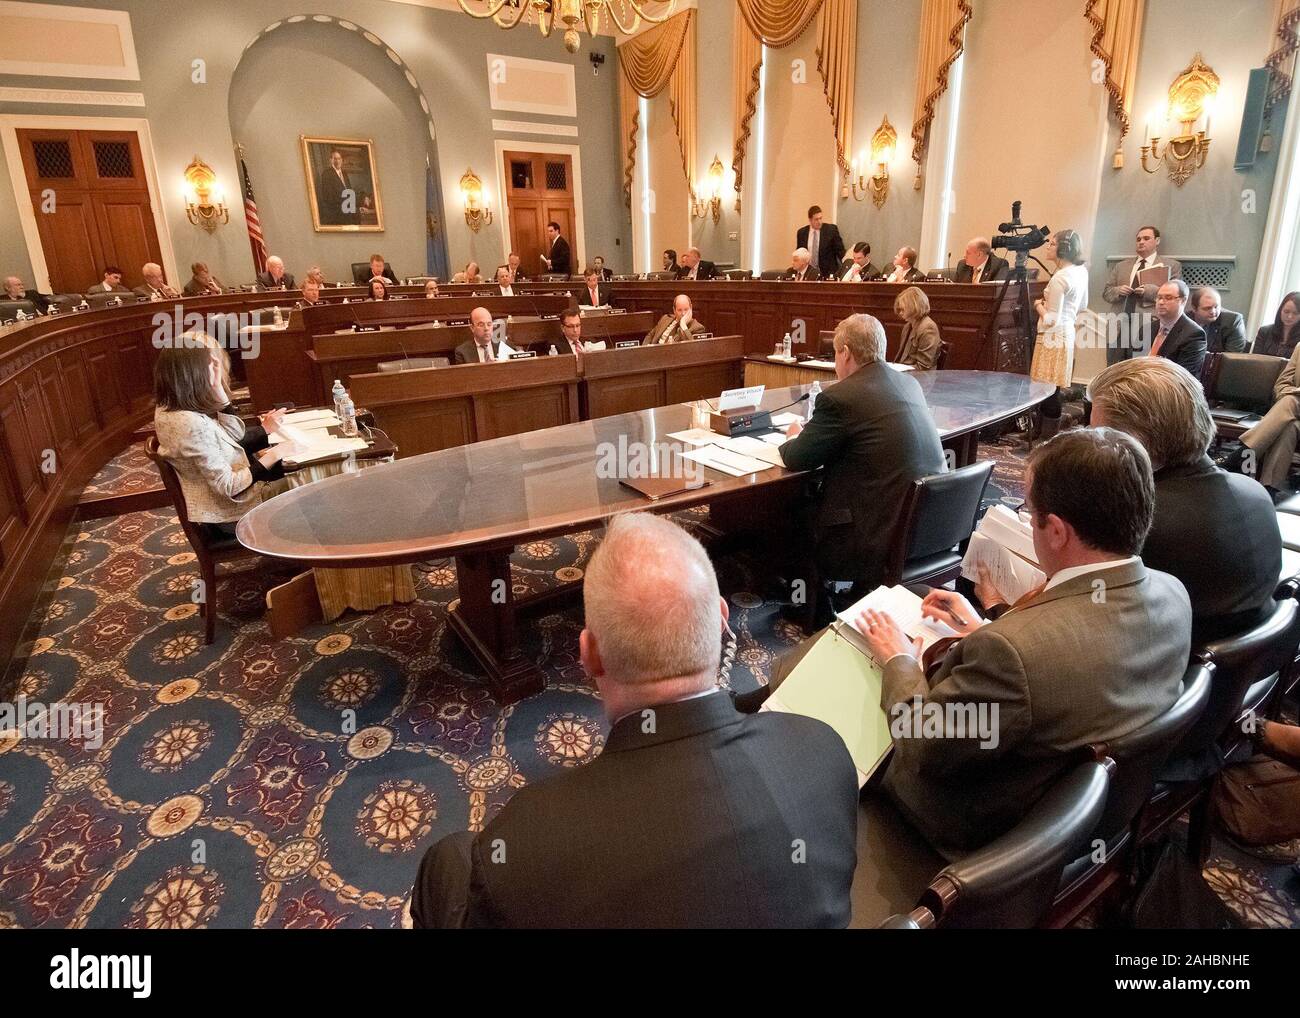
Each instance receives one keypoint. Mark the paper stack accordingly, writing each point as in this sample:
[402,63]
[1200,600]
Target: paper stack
[1004,544]
[903,607]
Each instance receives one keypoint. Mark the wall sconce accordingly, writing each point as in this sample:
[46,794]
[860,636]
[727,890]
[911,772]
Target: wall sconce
[883,145]
[712,201]
[205,204]
[1191,95]
[477,213]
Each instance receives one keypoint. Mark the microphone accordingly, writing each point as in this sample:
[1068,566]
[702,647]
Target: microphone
[793,402]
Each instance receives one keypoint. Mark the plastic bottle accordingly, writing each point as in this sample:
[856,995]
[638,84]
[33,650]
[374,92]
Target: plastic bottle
[348,415]
[277,316]
[553,352]
[338,392]
[813,392]
[786,344]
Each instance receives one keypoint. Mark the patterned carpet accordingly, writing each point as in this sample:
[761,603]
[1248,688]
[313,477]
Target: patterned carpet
[228,792]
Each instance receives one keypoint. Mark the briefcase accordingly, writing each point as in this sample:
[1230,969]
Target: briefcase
[1258,802]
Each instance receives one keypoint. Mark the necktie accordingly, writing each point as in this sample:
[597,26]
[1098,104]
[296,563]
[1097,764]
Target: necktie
[1160,341]
[485,354]
[1137,271]
[813,242]
[975,274]
[595,301]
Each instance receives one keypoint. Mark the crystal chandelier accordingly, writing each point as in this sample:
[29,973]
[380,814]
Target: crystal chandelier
[571,15]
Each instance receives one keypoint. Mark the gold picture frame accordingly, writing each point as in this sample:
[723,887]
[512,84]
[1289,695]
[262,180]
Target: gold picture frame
[333,208]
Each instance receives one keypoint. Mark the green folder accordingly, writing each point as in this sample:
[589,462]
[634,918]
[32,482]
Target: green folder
[838,684]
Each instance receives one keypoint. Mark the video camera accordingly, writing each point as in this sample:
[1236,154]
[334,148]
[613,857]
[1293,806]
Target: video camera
[1016,236]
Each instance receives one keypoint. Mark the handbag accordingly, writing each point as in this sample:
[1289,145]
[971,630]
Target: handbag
[1258,802]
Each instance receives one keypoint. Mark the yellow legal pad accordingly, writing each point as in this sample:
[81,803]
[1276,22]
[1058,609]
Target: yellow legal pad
[838,684]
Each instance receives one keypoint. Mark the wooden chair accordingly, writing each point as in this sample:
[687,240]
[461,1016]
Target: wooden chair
[208,551]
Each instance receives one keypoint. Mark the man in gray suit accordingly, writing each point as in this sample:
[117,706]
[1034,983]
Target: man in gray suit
[1094,654]
[1127,295]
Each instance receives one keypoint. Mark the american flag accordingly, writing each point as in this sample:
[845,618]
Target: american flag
[255,239]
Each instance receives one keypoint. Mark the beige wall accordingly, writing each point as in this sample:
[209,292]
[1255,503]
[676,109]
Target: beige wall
[669,214]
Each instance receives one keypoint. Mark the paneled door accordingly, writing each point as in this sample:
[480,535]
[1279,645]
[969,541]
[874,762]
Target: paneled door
[91,200]
[539,190]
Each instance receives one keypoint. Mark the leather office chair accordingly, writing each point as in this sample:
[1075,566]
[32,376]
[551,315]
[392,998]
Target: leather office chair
[1239,389]
[771,274]
[626,277]
[942,360]
[414,364]
[1139,757]
[938,514]
[1010,883]
[99,300]
[9,309]
[661,277]
[738,274]
[553,277]
[209,552]
[361,272]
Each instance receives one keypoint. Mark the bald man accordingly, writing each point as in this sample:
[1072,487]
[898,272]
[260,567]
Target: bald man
[686,818]
[275,276]
[980,264]
[481,347]
[677,327]
[155,286]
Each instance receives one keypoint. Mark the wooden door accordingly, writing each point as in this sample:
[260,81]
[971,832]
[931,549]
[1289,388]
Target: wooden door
[91,199]
[540,190]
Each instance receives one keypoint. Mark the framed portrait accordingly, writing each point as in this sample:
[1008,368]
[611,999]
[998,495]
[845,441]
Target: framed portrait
[342,185]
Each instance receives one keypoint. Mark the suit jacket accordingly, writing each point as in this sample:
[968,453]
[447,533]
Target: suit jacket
[830,249]
[196,289]
[688,825]
[329,198]
[103,288]
[561,258]
[607,274]
[705,270]
[467,352]
[809,275]
[215,472]
[873,435]
[869,271]
[1268,340]
[1287,383]
[1184,345]
[145,290]
[994,268]
[264,279]
[1122,272]
[653,337]
[1226,334]
[42,301]
[1065,668]
[1217,533]
[921,344]
[604,294]
[914,275]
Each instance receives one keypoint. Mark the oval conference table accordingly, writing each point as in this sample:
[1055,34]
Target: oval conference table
[478,502]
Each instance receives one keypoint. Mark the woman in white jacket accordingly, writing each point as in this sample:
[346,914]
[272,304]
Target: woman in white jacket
[1066,295]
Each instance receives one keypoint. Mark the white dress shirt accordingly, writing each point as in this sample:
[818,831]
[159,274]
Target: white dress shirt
[1061,575]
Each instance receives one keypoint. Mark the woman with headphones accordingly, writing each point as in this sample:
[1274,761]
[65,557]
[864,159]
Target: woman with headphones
[1066,295]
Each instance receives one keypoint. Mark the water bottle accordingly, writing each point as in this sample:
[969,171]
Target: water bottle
[348,415]
[553,352]
[155,296]
[277,316]
[786,344]
[338,392]
[813,392]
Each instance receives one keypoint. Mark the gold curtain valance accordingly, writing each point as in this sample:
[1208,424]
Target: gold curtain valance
[837,56]
[1116,38]
[943,28]
[778,23]
[1281,60]
[663,57]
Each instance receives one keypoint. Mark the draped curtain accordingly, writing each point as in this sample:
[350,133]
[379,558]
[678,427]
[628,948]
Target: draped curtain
[663,57]
[1281,61]
[943,27]
[1116,37]
[777,24]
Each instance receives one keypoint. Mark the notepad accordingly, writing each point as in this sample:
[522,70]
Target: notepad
[903,607]
[695,436]
[322,418]
[727,462]
[320,450]
[837,685]
[1004,545]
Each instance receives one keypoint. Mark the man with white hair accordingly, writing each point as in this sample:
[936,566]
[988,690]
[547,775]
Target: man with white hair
[275,277]
[16,290]
[693,815]
[873,435]
[155,286]
[677,327]
[801,268]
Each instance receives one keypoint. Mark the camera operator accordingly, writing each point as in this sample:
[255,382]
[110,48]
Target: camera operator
[1065,296]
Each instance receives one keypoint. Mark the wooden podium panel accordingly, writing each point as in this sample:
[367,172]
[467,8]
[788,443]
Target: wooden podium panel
[439,408]
[638,378]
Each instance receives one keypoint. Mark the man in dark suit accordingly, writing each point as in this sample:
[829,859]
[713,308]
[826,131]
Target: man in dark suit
[693,815]
[1214,531]
[980,264]
[275,277]
[380,268]
[561,260]
[15,290]
[1177,337]
[336,199]
[873,435]
[155,286]
[823,243]
[857,268]
[606,274]
[1225,331]
[570,333]
[1095,653]
[594,293]
[905,270]
[481,347]
[801,268]
[693,267]
[516,270]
